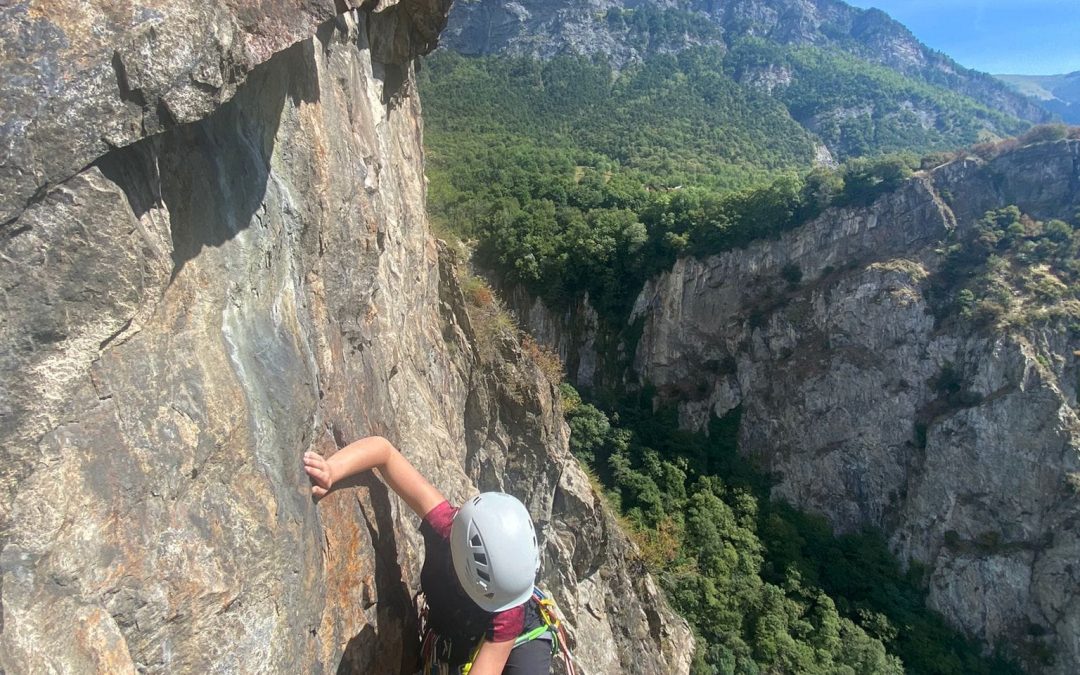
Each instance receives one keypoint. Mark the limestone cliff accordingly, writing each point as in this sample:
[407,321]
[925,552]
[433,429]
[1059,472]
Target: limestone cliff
[838,370]
[215,257]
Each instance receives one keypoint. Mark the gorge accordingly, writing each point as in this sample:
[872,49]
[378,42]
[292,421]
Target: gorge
[215,255]
[867,399]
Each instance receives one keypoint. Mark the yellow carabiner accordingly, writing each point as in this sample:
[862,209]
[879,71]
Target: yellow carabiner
[468,666]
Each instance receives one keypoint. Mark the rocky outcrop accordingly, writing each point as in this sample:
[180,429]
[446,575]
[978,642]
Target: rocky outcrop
[249,277]
[839,374]
[82,78]
[572,334]
[546,28]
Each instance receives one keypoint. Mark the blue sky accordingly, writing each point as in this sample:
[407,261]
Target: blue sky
[1027,37]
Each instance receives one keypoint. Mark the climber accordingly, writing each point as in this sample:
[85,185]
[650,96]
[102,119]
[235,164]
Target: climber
[480,563]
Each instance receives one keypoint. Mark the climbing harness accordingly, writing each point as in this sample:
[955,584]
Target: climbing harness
[435,653]
[435,650]
[552,625]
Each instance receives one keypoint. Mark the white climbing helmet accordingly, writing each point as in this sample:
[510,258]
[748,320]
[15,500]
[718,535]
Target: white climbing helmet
[493,546]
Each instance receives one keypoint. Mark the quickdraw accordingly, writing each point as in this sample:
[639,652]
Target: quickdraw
[434,652]
[560,642]
[429,652]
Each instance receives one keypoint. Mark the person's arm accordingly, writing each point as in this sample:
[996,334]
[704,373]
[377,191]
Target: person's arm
[373,452]
[492,657]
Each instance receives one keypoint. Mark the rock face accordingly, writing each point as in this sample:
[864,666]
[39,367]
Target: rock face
[80,78]
[835,376]
[250,277]
[544,28]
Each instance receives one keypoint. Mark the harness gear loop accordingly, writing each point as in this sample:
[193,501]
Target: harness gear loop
[434,651]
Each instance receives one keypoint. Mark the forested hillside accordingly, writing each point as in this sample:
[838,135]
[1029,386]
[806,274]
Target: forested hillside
[629,31]
[581,155]
[564,205]
[675,120]
[711,115]
[573,177]
[1059,94]
[767,587]
[860,108]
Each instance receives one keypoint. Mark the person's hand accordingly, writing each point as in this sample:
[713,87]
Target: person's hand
[318,470]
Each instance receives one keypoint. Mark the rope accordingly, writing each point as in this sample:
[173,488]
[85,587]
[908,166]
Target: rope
[547,612]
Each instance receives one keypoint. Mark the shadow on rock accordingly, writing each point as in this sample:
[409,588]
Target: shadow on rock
[212,175]
[391,645]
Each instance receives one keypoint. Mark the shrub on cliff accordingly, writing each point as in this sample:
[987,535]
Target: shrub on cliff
[867,179]
[1045,133]
[1008,268]
[562,228]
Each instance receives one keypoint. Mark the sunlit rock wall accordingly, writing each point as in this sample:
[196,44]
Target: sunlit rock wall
[835,376]
[190,306]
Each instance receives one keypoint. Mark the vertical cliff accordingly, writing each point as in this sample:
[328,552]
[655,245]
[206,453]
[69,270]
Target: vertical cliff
[868,399]
[242,273]
[960,440]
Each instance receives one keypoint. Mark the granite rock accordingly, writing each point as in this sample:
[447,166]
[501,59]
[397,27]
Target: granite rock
[835,376]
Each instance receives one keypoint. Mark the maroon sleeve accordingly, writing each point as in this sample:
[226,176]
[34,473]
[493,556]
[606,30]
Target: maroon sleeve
[441,518]
[507,625]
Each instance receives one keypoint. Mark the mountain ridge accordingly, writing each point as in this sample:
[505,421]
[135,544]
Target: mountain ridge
[1059,94]
[543,28]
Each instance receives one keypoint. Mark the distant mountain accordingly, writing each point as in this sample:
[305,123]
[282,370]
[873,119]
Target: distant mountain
[727,90]
[630,30]
[1060,94]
